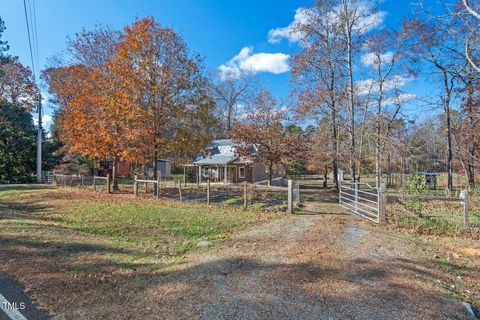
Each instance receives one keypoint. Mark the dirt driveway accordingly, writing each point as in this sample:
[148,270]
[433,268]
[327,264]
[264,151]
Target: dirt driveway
[326,265]
[307,267]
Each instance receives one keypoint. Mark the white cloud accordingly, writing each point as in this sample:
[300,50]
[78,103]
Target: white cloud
[399,99]
[367,86]
[370,59]
[289,32]
[246,61]
[367,21]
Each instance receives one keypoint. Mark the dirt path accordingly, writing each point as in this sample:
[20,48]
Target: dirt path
[308,267]
[319,265]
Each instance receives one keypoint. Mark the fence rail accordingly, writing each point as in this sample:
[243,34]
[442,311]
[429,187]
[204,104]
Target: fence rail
[240,195]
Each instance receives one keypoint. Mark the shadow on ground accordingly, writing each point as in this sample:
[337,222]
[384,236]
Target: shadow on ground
[249,289]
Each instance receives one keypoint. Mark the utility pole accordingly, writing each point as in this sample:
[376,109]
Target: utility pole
[39,140]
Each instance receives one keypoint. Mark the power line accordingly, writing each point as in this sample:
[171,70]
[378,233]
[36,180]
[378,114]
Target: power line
[29,38]
[36,34]
[33,25]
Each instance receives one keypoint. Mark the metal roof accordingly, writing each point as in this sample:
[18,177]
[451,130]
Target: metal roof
[215,160]
[427,173]
[222,152]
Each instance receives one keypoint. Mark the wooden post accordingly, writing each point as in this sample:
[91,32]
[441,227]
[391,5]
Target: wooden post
[108,182]
[465,209]
[135,185]
[208,191]
[245,195]
[93,183]
[225,175]
[184,176]
[180,190]
[382,203]
[290,196]
[197,176]
[158,187]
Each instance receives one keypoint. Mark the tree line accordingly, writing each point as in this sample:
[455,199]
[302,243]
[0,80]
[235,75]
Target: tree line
[19,96]
[139,93]
[349,76]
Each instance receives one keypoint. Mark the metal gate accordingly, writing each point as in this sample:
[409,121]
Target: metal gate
[361,199]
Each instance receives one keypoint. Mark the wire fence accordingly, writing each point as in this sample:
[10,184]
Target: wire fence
[259,196]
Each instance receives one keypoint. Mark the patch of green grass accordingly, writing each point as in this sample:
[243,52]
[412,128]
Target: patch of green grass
[91,230]
[6,192]
[443,218]
[231,201]
[452,294]
[450,267]
[175,227]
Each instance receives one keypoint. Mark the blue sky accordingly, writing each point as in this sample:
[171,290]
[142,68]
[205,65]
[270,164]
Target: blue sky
[218,30]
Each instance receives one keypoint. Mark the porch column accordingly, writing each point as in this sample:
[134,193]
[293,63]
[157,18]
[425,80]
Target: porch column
[225,175]
[199,174]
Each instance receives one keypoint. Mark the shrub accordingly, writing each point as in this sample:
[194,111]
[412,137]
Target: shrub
[414,188]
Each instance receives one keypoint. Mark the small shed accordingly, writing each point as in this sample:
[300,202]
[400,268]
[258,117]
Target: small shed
[340,174]
[164,169]
[429,178]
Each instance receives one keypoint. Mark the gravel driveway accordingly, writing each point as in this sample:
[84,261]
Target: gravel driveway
[307,267]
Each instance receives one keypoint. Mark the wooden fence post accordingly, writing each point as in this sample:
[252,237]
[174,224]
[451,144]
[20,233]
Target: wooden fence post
[245,195]
[208,191]
[135,185]
[94,185]
[184,176]
[108,182]
[180,190]
[290,196]
[382,203]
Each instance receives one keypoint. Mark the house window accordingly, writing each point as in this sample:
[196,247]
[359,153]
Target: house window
[205,171]
[241,172]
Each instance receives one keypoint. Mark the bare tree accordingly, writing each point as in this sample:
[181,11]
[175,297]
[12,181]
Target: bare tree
[435,46]
[471,35]
[386,56]
[356,18]
[229,91]
[317,74]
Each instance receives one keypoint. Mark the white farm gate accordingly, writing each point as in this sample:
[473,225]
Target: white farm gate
[363,199]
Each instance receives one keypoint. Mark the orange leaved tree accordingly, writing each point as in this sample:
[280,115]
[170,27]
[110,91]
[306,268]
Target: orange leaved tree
[97,115]
[262,137]
[168,84]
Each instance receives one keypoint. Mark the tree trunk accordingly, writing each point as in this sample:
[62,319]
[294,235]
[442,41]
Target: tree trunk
[155,165]
[378,132]
[334,146]
[334,124]
[471,166]
[473,147]
[116,160]
[449,145]
[270,174]
[229,118]
[325,176]
[351,105]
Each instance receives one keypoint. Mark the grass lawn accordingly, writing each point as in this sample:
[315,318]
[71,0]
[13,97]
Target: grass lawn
[88,230]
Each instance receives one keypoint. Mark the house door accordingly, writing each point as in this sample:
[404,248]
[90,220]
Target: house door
[231,174]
